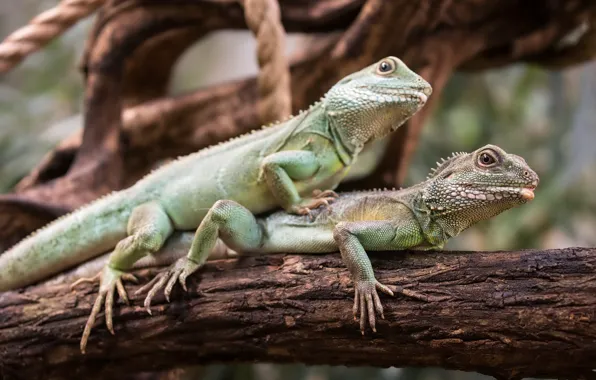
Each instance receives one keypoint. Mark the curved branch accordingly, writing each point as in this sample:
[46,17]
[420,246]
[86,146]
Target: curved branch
[500,311]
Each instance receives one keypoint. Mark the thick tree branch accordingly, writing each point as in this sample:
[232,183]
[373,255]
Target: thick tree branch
[507,314]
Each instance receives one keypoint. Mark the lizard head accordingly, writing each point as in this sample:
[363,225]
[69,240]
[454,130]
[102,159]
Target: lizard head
[469,187]
[375,101]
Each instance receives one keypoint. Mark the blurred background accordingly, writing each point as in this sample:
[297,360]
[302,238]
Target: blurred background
[545,117]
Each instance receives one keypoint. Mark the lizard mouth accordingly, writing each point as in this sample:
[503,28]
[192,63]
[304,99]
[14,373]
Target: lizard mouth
[422,93]
[415,95]
[406,95]
[527,192]
[422,98]
[496,193]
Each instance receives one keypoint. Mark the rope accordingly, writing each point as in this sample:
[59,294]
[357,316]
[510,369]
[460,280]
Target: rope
[42,29]
[264,20]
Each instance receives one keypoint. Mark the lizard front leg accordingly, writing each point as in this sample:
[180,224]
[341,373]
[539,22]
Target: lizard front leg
[353,238]
[234,224]
[281,169]
[350,237]
[148,228]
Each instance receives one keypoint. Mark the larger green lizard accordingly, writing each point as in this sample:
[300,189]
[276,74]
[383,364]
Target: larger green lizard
[281,165]
[461,191]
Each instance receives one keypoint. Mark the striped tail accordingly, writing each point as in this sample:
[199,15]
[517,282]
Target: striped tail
[66,242]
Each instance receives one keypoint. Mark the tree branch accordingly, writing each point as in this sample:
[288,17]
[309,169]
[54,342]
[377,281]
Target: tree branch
[507,314]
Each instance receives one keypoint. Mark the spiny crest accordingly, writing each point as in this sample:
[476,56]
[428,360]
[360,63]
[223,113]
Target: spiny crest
[241,139]
[287,118]
[315,104]
[62,217]
[373,190]
[443,164]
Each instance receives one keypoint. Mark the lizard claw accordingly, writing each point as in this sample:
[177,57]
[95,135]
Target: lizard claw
[319,198]
[178,272]
[311,204]
[110,282]
[367,303]
[301,210]
[85,280]
[317,193]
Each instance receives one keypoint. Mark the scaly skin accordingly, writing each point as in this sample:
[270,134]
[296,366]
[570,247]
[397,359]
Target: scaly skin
[465,189]
[281,165]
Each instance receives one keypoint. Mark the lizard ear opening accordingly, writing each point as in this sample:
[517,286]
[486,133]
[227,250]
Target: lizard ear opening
[447,174]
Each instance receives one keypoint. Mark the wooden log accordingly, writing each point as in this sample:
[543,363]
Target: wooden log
[507,314]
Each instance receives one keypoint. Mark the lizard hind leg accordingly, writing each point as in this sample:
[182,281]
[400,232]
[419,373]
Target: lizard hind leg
[234,224]
[148,228]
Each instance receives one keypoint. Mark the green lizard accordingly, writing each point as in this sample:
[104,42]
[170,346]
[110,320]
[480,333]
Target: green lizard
[461,191]
[281,165]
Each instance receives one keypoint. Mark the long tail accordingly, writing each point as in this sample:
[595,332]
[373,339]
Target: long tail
[67,241]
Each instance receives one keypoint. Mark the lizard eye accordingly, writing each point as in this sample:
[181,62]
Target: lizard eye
[386,66]
[487,159]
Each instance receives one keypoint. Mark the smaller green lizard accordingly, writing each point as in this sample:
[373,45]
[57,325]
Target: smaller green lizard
[461,191]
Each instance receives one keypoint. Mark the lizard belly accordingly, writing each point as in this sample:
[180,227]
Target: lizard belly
[326,178]
[187,200]
[313,238]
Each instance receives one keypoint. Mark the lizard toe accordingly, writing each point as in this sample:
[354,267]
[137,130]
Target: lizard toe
[85,280]
[384,288]
[122,291]
[109,305]
[356,307]
[370,311]
[368,304]
[157,284]
[91,320]
[110,282]
[378,305]
[148,285]
[324,194]
[173,278]
[362,313]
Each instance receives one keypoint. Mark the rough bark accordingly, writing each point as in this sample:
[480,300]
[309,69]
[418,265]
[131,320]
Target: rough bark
[139,39]
[507,314]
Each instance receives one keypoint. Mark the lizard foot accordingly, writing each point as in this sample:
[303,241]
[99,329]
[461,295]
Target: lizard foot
[317,193]
[367,302]
[110,281]
[320,198]
[178,272]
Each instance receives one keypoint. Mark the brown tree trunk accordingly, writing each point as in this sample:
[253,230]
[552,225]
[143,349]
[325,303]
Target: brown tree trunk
[507,314]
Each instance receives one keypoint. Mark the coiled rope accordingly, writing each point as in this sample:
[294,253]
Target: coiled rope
[42,29]
[264,20]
